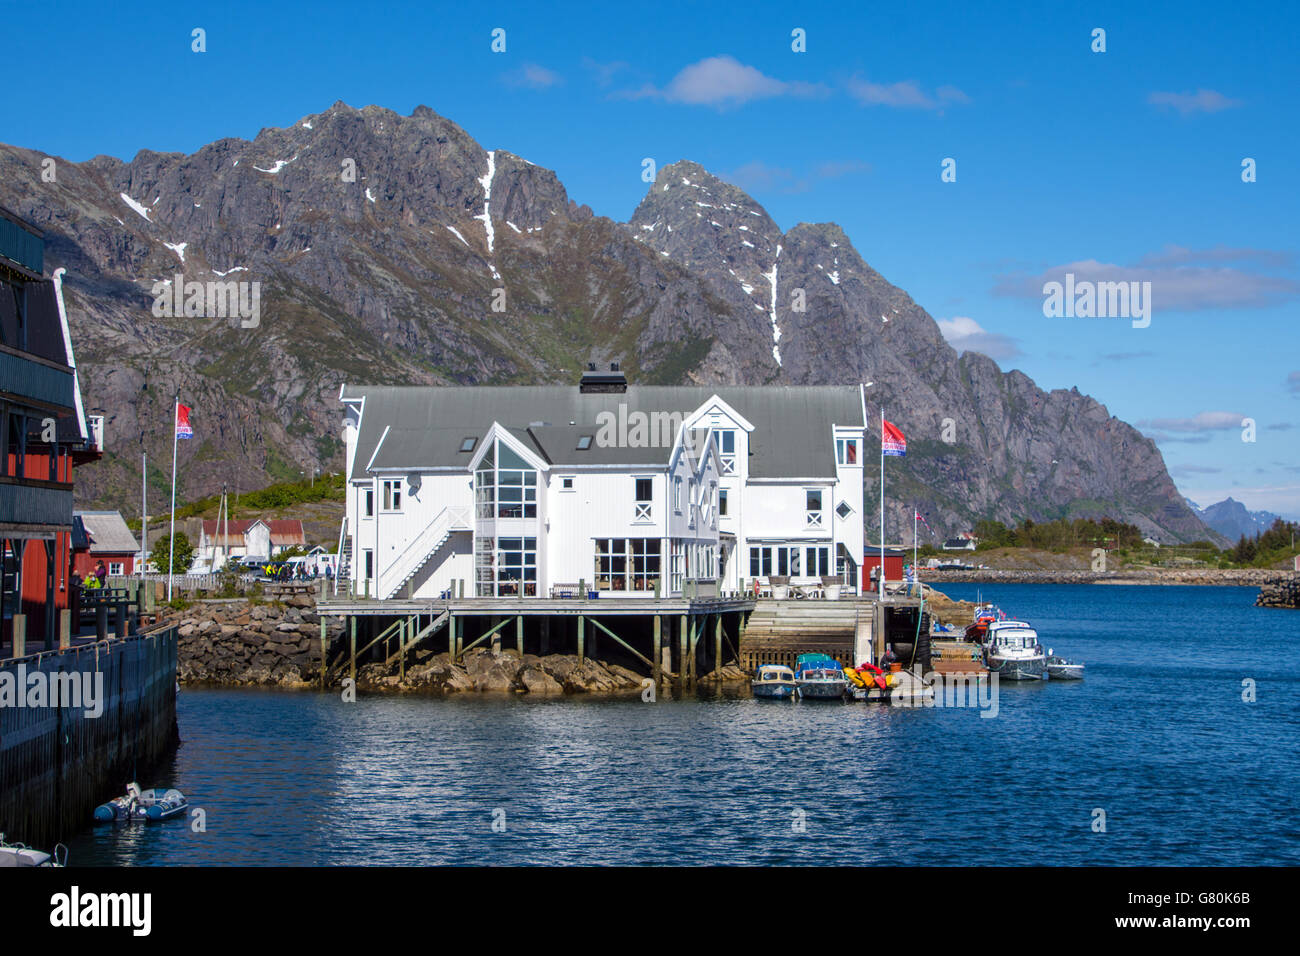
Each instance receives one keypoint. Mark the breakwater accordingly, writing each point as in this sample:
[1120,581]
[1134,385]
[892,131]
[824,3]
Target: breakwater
[1243,577]
[240,643]
[76,725]
[1280,593]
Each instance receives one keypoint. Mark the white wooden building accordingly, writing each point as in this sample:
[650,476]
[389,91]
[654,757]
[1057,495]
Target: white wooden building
[603,485]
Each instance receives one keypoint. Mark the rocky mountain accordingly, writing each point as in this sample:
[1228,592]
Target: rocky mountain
[396,249]
[1232,519]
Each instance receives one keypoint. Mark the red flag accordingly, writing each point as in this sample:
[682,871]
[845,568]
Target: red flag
[183,429]
[892,441]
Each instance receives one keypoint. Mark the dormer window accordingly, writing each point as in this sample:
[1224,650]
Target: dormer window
[584,442]
[467,444]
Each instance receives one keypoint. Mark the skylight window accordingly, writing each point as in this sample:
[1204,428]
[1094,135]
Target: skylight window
[467,444]
[584,442]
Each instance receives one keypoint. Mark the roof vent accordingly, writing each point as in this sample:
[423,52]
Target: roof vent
[594,381]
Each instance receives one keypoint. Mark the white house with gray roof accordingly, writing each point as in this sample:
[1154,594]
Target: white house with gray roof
[611,486]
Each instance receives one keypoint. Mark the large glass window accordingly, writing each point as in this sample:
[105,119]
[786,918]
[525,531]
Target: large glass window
[516,566]
[504,566]
[627,564]
[505,486]
[846,451]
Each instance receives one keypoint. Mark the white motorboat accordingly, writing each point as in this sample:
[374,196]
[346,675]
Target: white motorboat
[1012,651]
[19,854]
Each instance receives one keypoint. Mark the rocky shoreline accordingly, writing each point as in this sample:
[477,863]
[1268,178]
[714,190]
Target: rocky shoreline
[1242,577]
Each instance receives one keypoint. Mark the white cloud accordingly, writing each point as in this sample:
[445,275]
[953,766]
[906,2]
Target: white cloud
[1201,422]
[966,335]
[723,81]
[903,95]
[1174,285]
[1202,101]
[533,77]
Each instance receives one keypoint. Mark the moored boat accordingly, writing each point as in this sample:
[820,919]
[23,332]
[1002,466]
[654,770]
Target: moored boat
[819,677]
[773,682]
[977,630]
[21,855]
[146,805]
[1012,651]
[1058,668]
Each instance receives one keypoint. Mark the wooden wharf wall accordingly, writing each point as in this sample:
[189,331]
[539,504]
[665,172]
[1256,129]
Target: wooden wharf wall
[58,763]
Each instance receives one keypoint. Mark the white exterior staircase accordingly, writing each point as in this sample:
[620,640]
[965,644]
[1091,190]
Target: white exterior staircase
[425,545]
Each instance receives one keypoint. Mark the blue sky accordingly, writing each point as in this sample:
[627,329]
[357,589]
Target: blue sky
[1116,166]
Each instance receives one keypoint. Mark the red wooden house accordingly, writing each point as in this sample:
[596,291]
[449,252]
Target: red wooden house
[44,434]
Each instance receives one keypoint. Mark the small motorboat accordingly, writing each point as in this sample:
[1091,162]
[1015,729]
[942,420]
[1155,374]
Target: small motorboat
[1058,668]
[19,854]
[819,677]
[146,805]
[773,682]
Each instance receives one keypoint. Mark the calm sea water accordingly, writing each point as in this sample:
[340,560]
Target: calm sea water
[1157,736]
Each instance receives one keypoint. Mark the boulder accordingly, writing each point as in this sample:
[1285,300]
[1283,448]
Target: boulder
[537,681]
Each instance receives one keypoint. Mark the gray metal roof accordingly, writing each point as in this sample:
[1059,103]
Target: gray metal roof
[791,438]
[108,532]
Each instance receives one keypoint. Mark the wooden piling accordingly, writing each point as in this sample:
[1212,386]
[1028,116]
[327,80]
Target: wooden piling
[717,642]
[582,637]
[352,669]
[19,625]
[65,629]
[519,634]
[656,672]
[323,652]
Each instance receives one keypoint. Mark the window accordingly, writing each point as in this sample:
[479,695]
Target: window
[846,451]
[516,566]
[727,452]
[392,492]
[675,567]
[677,494]
[467,444]
[722,503]
[789,559]
[644,498]
[584,442]
[627,564]
[505,486]
[843,509]
[116,568]
[368,562]
[368,503]
[566,484]
[505,566]
[690,501]
[813,506]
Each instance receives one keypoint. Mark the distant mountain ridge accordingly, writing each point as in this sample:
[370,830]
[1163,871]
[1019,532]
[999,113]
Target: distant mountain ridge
[1232,519]
[443,262]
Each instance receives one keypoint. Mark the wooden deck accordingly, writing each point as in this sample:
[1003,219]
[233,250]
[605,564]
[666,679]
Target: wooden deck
[527,607]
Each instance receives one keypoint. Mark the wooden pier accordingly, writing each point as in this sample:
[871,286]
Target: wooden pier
[680,637]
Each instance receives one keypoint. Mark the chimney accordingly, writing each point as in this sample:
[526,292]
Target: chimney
[597,382]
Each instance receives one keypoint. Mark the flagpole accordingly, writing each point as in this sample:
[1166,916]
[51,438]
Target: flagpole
[881,576]
[915,514]
[144,511]
[171,543]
